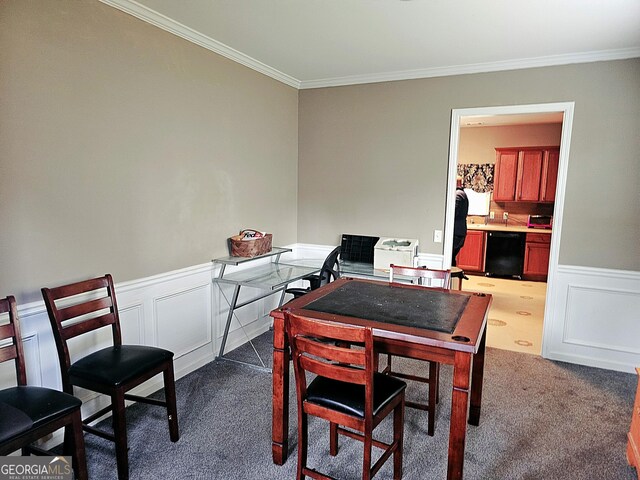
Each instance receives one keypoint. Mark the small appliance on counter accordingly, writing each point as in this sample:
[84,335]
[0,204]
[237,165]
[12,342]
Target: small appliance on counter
[396,251]
[540,221]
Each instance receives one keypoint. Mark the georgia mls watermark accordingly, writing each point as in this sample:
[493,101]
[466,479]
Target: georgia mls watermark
[35,468]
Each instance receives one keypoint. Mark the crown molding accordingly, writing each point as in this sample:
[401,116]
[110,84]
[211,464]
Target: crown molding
[157,19]
[536,62]
[176,28]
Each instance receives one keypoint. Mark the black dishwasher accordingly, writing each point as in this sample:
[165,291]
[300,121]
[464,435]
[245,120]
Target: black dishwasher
[505,253]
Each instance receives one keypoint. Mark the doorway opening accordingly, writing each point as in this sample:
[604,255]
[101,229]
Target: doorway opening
[475,134]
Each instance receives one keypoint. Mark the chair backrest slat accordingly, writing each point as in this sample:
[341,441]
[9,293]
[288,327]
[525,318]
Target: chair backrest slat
[429,274]
[79,287]
[84,308]
[8,352]
[12,350]
[334,371]
[7,331]
[79,328]
[326,350]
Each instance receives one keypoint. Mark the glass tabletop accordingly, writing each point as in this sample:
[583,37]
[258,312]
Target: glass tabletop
[269,276]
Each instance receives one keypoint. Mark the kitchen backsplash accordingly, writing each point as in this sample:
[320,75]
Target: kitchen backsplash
[518,212]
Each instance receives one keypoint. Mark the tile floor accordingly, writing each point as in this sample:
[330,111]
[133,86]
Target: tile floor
[517,312]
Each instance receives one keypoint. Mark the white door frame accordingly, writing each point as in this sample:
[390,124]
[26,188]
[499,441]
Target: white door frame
[565,141]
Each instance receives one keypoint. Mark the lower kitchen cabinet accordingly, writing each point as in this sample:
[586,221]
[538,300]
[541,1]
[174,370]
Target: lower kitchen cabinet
[536,256]
[471,255]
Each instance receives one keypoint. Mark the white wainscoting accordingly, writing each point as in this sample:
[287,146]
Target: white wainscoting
[593,318]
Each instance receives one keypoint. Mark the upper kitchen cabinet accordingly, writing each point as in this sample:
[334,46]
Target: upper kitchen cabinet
[549,175]
[526,174]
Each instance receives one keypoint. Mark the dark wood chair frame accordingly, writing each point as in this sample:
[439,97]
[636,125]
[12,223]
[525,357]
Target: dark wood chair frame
[425,277]
[118,395]
[71,422]
[325,349]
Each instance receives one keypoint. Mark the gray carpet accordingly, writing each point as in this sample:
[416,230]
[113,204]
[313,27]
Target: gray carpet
[540,420]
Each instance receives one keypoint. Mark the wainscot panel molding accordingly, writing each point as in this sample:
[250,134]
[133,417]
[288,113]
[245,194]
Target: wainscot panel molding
[593,319]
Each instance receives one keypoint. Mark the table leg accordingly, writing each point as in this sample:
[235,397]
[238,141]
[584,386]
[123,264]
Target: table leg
[477,375]
[232,307]
[459,407]
[280,399]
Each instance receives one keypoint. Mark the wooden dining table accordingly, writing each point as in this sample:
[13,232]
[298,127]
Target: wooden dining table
[439,325]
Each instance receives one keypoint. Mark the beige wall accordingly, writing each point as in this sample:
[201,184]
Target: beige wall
[128,150]
[373,158]
[478,144]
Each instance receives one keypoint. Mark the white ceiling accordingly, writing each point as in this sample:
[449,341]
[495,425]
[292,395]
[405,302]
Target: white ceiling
[315,43]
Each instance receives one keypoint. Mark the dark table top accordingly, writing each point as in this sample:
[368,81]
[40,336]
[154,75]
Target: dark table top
[443,318]
[435,310]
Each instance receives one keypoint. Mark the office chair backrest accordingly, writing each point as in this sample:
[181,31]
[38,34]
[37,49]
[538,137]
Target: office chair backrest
[12,350]
[424,275]
[330,268]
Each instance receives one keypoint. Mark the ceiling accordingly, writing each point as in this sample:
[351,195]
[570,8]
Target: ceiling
[317,43]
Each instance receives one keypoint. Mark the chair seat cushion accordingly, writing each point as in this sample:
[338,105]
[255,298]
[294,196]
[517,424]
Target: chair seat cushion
[40,405]
[349,398]
[117,365]
[12,422]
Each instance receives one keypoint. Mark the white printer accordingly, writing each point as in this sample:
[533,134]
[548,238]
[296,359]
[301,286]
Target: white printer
[396,251]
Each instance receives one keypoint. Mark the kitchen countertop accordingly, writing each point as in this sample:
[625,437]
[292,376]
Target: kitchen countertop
[495,227]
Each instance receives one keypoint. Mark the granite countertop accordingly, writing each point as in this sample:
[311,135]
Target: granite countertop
[500,227]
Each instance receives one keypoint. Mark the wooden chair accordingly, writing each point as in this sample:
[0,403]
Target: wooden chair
[346,391]
[433,279]
[28,413]
[111,371]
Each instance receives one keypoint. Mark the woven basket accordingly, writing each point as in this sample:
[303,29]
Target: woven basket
[249,248]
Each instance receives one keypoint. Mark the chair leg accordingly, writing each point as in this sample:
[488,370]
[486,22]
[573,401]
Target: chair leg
[398,436]
[437,383]
[170,398]
[333,439]
[120,433]
[303,430]
[366,462]
[74,446]
[433,394]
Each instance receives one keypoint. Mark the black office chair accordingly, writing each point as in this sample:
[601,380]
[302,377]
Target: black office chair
[330,271]
[29,413]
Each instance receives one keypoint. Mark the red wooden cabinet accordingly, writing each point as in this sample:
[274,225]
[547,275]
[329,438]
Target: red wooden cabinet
[536,256]
[527,174]
[505,175]
[471,255]
[549,175]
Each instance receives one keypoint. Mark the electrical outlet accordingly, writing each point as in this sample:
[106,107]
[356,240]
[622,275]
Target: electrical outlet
[437,236]
[492,215]
[505,216]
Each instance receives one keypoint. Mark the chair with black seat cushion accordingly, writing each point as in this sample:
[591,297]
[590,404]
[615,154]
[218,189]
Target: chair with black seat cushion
[430,278]
[347,391]
[111,371]
[29,413]
[330,271]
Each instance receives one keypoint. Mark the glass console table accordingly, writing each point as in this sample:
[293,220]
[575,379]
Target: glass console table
[271,278]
